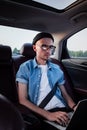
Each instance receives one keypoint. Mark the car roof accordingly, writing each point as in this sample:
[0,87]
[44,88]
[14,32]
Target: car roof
[36,16]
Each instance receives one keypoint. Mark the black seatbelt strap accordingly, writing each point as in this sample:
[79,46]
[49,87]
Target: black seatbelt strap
[48,97]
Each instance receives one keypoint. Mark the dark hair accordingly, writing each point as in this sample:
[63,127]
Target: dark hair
[42,35]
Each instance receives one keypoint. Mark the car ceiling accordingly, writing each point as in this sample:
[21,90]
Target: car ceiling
[30,15]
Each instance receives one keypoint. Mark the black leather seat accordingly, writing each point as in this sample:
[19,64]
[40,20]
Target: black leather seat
[68,83]
[10,117]
[8,87]
[7,77]
[26,53]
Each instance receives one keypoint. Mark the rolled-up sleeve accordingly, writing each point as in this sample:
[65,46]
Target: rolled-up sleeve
[61,79]
[23,74]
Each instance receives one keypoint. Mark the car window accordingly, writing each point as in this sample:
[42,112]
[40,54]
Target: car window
[77,44]
[15,37]
[56,3]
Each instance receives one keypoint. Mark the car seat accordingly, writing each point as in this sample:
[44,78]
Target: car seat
[7,78]
[10,117]
[8,87]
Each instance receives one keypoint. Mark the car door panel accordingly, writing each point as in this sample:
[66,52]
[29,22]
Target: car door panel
[77,70]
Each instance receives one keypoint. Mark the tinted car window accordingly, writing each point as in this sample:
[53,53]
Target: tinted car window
[77,44]
[15,37]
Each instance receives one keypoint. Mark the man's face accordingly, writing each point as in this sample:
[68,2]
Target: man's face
[44,48]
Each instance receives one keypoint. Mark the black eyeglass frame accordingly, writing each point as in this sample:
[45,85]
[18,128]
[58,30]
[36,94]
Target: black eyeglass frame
[45,47]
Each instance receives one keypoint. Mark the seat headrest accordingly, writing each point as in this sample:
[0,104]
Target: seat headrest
[5,53]
[27,50]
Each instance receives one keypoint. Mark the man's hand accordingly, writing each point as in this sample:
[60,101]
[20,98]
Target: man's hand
[59,117]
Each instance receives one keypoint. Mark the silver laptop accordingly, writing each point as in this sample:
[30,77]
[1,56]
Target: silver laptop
[78,119]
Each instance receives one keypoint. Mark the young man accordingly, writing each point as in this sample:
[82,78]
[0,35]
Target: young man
[38,76]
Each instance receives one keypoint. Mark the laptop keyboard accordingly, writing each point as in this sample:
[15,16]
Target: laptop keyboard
[57,125]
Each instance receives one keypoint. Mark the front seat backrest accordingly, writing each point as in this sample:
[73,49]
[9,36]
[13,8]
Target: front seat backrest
[10,117]
[7,78]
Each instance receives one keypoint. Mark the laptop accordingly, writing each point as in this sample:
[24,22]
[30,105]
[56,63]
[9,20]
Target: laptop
[78,119]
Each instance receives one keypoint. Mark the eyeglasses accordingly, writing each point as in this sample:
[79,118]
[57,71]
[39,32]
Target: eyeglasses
[45,47]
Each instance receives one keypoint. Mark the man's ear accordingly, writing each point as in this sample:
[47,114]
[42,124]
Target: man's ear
[34,48]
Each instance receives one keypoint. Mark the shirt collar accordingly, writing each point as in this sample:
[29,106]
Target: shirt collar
[36,65]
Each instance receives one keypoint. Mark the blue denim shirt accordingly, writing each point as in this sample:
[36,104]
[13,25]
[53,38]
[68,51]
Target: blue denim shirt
[30,74]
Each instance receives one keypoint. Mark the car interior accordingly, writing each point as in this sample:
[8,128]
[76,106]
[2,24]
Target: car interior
[62,23]
[10,116]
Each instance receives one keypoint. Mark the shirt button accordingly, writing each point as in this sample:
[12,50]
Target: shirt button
[39,75]
[35,96]
[37,86]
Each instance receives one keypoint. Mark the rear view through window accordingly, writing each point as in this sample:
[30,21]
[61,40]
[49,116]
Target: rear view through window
[15,37]
[77,44]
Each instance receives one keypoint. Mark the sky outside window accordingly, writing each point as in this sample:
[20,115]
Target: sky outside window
[16,37]
[58,4]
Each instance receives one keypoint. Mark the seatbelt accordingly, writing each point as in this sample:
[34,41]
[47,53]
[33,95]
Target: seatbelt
[48,97]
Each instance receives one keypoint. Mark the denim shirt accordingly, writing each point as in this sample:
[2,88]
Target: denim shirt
[30,74]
